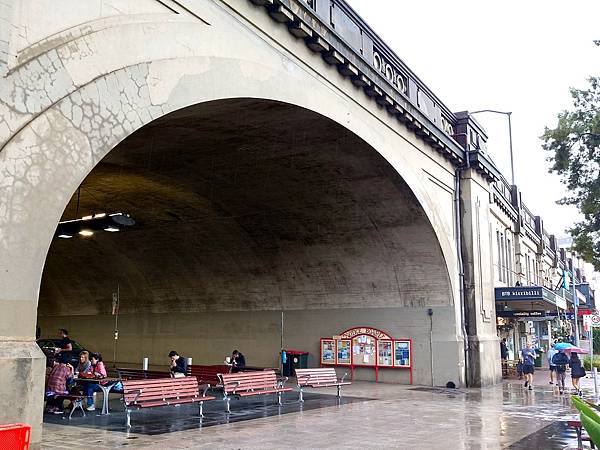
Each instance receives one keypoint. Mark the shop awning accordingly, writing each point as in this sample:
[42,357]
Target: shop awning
[529,298]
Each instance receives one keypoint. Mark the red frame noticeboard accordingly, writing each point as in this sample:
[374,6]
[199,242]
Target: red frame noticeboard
[367,347]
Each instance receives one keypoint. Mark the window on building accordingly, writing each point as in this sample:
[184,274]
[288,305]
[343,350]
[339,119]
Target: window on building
[502,256]
[509,268]
[499,252]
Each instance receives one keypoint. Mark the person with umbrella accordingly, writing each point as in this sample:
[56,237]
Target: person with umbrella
[577,370]
[560,361]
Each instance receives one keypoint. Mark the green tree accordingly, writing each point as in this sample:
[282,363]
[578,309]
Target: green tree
[575,155]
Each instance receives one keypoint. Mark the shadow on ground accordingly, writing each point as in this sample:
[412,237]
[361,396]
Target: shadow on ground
[168,419]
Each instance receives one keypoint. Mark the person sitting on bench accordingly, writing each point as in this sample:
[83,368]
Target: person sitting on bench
[178,365]
[98,370]
[238,362]
[56,385]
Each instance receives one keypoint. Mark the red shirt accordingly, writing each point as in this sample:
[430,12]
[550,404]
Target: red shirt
[57,380]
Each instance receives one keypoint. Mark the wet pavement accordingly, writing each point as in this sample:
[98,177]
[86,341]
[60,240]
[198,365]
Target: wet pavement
[370,415]
[153,421]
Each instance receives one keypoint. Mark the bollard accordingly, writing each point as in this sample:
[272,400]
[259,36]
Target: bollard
[145,364]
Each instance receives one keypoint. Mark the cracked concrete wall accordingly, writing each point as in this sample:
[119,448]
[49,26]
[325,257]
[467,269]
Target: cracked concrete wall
[74,95]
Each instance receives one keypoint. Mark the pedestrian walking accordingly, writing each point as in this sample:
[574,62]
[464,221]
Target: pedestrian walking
[528,354]
[504,357]
[551,365]
[577,371]
[560,362]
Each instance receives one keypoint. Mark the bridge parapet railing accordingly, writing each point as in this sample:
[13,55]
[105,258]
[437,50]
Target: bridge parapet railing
[344,22]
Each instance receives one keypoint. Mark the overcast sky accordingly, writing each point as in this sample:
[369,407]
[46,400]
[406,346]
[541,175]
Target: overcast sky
[519,56]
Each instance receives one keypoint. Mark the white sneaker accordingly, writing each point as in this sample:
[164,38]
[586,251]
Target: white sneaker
[91,408]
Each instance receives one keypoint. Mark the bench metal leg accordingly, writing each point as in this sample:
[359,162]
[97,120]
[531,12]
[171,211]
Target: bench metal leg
[579,438]
[128,418]
[77,403]
[227,407]
[339,391]
[279,398]
[201,404]
[301,396]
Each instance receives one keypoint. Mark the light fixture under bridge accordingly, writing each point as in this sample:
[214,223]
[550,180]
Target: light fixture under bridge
[88,225]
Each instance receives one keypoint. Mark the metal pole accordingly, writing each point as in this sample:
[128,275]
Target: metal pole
[575,307]
[592,368]
[507,113]
[280,355]
[512,165]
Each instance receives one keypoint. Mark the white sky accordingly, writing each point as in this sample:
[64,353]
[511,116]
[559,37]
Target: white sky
[519,56]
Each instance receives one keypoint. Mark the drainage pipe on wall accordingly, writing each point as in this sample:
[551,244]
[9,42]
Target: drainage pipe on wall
[461,267]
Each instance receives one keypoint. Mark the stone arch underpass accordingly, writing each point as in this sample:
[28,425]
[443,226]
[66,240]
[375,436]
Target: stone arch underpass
[258,183]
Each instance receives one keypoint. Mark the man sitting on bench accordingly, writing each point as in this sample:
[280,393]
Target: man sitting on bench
[178,365]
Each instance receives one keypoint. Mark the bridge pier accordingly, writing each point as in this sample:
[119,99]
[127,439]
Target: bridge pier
[483,348]
[22,366]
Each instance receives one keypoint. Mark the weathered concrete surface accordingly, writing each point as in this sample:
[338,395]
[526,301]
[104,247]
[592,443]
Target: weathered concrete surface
[246,208]
[22,366]
[477,244]
[69,98]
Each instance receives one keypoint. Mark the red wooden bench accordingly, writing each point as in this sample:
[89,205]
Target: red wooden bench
[207,374]
[318,378]
[155,392]
[580,436]
[245,384]
[127,373]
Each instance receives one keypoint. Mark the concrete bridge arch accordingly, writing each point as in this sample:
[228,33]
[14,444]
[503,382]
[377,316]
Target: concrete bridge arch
[71,99]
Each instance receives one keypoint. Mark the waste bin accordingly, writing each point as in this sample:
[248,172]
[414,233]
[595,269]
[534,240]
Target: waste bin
[540,357]
[295,360]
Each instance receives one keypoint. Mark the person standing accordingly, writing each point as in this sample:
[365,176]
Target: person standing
[65,345]
[551,365]
[528,354]
[178,365]
[560,361]
[577,371]
[504,356]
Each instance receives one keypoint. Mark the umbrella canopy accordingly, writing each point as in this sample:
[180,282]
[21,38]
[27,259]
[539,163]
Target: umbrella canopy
[563,346]
[576,350]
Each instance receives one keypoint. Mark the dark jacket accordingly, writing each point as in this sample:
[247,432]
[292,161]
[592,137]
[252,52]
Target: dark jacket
[560,360]
[503,351]
[181,366]
[577,370]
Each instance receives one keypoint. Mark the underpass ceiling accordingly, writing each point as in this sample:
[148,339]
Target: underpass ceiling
[244,204]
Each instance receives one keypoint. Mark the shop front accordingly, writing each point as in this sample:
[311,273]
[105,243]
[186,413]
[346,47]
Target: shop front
[530,315]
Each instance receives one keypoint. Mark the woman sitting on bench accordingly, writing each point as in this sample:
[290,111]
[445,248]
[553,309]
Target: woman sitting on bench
[97,371]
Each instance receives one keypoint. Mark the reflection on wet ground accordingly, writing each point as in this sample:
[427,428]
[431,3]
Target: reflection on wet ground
[372,415]
[556,436]
[169,419]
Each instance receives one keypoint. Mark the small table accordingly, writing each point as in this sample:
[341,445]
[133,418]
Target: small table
[105,384]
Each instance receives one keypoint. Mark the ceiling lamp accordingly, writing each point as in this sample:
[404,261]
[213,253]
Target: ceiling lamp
[87,225]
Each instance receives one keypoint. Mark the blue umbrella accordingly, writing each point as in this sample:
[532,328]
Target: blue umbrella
[563,346]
